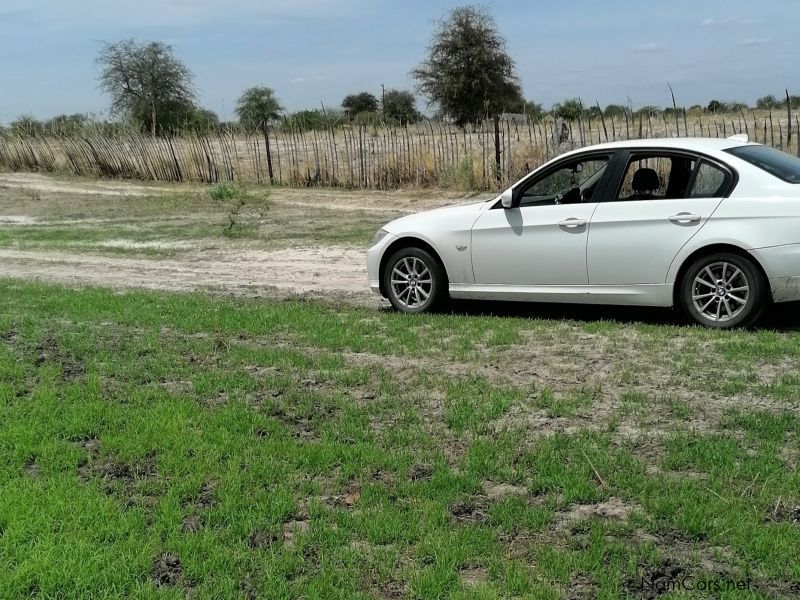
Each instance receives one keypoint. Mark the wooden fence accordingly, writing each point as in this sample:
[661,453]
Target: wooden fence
[487,156]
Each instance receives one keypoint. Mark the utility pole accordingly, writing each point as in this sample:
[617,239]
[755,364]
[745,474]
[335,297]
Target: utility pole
[383,98]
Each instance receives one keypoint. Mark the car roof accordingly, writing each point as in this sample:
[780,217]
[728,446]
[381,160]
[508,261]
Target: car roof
[707,145]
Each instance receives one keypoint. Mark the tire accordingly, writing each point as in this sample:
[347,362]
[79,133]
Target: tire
[414,281]
[723,291]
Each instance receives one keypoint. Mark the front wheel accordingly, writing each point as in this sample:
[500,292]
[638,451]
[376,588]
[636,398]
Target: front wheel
[414,281]
[723,291]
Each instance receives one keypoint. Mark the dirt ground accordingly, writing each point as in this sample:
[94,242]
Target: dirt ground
[232,266]
[302,270]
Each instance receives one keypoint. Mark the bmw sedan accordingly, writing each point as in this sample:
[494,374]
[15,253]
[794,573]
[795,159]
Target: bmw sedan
[708,225]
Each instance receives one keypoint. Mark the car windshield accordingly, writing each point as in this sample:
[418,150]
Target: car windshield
[781,165]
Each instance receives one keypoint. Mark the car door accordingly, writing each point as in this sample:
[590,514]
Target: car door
[541,240]
[635,235]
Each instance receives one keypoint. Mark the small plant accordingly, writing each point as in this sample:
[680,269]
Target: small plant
[460,177]
[247,210]
[225,190]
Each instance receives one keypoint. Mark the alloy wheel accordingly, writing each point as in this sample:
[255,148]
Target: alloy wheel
[720,291]
[412,282]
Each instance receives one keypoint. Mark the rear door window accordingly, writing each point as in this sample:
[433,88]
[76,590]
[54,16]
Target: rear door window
[710,182]
[656,176]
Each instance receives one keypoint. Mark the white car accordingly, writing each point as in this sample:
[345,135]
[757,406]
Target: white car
[710,225]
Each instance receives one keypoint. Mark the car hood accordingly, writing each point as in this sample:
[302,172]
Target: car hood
[450,217]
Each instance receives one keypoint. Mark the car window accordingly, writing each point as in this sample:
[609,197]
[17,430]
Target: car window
[777,163]
[710,182]
[572,183]
[655,176]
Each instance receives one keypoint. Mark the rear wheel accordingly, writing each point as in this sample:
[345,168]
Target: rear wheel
[414,281]
[723,291]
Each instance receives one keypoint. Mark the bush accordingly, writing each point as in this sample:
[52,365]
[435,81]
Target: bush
[246,210]
[461,177]
[369,119]
[312,119]
[226,190]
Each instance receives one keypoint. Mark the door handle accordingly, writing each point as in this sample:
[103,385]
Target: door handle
[573,223]
[684,218]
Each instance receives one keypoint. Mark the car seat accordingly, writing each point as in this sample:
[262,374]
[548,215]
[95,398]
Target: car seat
[646,184]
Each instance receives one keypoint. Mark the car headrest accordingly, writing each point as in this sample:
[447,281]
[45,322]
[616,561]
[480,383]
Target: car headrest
[645,180]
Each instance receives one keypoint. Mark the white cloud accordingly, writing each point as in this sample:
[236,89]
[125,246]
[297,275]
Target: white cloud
[729,21]
[315,78]
[753,42]
[650,47]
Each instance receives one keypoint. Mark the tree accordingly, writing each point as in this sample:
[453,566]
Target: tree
[531,109]
[257,106]
[715,106]
[360,103]
[649,111]
[614,110]
[468,72]
[569,110]
[400,106]
[26,125]
[593,112]
[767,102]
[312,119]
[69,124]
[201,120]
[144,80]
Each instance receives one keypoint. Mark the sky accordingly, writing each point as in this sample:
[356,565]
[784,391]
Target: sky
[317,51]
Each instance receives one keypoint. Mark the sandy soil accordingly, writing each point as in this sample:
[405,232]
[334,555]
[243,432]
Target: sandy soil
[404,201]
[46,184]
[292,271]
[230,267]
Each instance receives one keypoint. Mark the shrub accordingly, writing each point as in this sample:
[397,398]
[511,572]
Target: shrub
[460,177]
[246,210]
[225,190]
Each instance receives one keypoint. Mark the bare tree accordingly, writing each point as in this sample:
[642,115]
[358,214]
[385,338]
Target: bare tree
[145,80]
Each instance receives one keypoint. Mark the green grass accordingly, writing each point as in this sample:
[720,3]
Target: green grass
[159,446]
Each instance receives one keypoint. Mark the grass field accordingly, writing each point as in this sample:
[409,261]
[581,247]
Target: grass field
[166,220]
[178,237]
[162,446]
[233,443]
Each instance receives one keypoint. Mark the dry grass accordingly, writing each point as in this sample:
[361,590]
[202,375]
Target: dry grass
[427,155]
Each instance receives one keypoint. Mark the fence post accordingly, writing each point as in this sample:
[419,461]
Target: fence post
[497,165]
[265,128]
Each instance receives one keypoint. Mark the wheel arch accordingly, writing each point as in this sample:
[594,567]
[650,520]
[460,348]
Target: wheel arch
[713,249]
[408,242]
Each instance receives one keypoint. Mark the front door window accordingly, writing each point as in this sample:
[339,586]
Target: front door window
[571,183]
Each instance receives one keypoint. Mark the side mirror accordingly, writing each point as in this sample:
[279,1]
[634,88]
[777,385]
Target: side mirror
[507,198]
